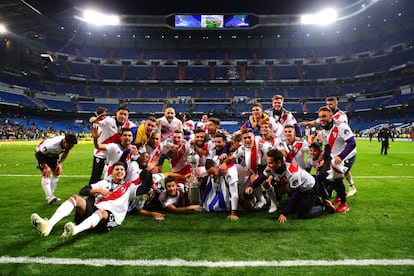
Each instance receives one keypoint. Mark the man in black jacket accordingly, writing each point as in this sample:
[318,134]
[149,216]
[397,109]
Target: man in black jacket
[383,136]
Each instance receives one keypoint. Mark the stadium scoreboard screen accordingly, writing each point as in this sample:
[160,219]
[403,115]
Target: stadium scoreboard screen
[212,21]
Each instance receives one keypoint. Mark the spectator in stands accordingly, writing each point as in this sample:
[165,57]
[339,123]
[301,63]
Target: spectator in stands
[384,136]
[282,116]
[110,127]
[47,154]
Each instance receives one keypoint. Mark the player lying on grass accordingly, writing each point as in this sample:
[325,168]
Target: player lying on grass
[104,214]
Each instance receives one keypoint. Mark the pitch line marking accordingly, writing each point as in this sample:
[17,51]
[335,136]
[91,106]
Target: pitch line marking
[184,263]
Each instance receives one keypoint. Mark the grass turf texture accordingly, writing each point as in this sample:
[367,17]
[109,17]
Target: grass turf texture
[379,225]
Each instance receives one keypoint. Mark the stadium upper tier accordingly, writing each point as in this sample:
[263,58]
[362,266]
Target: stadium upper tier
[333,67]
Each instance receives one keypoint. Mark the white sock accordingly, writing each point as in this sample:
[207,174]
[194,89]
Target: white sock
[62,211]
[272,195]
[89,223]
[53,183]
[350,181]
[46,187]
[258,193]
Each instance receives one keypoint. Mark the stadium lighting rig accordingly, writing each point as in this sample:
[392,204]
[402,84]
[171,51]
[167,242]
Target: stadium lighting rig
[323,17]
[98,18]
[3,29]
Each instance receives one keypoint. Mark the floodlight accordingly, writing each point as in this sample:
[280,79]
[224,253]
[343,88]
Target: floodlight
[323,17]
[3,29]
[46,57]
[98,18]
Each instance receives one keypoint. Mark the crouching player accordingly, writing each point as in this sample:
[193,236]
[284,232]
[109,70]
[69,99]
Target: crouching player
[303,190]
[103,214]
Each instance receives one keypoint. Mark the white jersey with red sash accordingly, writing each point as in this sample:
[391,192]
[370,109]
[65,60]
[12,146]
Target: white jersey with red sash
[117,202]
[113,153]
[336,138]
[265,145]
[285,118]
[179,164]
[340,116]
[110,132]
[294,177]
[296,152]
[251,157]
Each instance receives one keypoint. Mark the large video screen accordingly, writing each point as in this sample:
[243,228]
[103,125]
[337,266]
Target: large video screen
[212,21]
[187,21]
[236,21]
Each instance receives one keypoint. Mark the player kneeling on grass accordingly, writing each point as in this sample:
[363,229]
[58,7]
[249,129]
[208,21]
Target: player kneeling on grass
[174,199]
[104,214]
[303,190]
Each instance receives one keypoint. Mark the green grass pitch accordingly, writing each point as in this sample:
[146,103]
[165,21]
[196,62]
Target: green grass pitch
[379,226]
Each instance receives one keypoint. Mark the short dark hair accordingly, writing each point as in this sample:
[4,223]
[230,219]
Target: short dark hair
[275,154]
[123,107]
[331,99]
[100,110]
[246,130]
[169,179]
[215,121]
[152,118]
[70,138]
[125,129]
[316,145]
[120,163]
[220,135]
[210,164]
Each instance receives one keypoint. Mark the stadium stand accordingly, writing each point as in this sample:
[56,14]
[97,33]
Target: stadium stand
[367,70]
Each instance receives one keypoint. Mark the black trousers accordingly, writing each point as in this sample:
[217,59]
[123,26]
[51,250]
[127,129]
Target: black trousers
[97,170]
[384,147]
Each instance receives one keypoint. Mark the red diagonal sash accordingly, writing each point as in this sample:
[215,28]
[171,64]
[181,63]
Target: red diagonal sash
[332,136]
[291,155]
[253,158]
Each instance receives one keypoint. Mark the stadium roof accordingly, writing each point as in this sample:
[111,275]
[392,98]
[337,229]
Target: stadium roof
[162,7]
